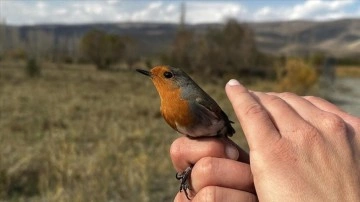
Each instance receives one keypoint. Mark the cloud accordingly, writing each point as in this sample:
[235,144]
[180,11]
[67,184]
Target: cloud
[91,11]
[267,13]
[41,12]
[40,5]
[114,11]
[22,12]
[155,11]
[332,16]
[211,11]
[314,8]
[61,11]
[112,2]
[311,9]
[155,5]
[196,12]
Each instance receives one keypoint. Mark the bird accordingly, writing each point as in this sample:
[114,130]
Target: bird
[188,109]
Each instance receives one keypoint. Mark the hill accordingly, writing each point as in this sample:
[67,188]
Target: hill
[340,38]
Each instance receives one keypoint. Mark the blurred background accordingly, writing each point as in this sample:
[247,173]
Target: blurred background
[77,123]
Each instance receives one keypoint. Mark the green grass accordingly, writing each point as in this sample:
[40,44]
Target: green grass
[77,134]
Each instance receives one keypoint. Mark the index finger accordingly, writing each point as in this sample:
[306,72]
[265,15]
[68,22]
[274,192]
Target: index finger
[256,123]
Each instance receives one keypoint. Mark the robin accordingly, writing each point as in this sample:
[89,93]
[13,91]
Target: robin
[188,109]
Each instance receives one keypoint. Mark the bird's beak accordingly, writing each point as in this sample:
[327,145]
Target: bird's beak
[147,73]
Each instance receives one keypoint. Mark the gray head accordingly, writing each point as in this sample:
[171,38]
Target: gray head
[166,77]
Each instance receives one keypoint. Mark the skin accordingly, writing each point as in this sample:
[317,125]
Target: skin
[301,149]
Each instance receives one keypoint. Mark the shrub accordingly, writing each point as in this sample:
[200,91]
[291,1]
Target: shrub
[102,49]
[15,54]
[297,76]
[32,68]
[148,63]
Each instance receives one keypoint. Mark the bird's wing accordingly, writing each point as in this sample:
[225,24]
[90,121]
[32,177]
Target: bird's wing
[217,116]
[208,108]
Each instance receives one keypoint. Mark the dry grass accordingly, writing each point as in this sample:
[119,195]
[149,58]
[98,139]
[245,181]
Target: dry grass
[348,71]
[76,134]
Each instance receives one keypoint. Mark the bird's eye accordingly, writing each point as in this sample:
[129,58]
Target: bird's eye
[168,75]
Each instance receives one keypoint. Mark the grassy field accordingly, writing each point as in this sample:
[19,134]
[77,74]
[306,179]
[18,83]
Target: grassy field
[348,71]
[77,134]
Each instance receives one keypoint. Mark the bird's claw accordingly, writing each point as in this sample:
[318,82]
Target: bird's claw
[184,181]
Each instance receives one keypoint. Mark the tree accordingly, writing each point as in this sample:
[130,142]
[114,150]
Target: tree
[229,49]
[131,55]
[183,47]
[102,49]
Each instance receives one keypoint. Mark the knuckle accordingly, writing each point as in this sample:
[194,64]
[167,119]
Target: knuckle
[203,170]
[176,149]
[311,98]
[205,167]
[276,101]
[273,98]
[254,109]
[207,194]
[286,95]
[334,123]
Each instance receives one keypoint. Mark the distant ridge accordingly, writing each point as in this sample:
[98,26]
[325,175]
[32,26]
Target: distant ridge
[339,38]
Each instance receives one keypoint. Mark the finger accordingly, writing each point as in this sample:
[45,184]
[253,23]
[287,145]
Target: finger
[214,193]
[180,197]
[221,172]
[329,107]
[278,109]
[185,151]
[258,128]
[353,122]
[243,155]
[304,108]
[322,121]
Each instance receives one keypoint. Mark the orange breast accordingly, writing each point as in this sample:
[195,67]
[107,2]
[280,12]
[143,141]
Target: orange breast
[175,110]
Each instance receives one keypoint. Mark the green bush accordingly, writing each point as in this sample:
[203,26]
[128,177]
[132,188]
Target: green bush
[32,69]
[104,49]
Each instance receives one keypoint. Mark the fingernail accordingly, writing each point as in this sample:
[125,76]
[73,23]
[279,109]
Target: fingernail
[231,152]
[233,82]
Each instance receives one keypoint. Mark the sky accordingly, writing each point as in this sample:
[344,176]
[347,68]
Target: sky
[30,12]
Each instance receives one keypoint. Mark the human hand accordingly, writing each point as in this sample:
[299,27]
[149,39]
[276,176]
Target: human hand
[301,148]
[221,170]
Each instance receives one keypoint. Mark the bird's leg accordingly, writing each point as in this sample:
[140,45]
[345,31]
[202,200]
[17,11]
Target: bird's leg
[184,180]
